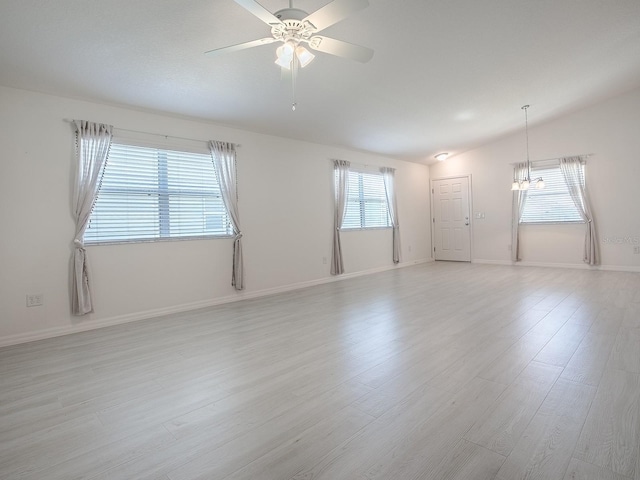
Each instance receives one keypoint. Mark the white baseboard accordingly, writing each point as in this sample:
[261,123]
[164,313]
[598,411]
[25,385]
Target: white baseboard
[159,312]
[322,281]
[580,266]
[618,268]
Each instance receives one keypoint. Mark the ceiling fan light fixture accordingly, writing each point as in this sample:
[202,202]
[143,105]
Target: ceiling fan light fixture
[284,55]
[284,62]
[288,48]
[304,56]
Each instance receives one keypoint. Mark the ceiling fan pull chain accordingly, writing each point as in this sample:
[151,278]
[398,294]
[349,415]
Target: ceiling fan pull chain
[294,74]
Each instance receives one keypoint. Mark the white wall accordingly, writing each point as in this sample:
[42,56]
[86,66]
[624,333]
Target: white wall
[285,207]
[610,131]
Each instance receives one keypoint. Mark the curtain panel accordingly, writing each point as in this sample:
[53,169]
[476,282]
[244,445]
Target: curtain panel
[388,176]
[93,141]
[341,190]
[518,202]
[570,168]
[223,155]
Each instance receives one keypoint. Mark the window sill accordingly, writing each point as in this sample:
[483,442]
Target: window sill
[364,228]
[552,223]
[158,240]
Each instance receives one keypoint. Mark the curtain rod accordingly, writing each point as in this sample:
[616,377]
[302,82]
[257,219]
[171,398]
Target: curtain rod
[583,155]
[68,120]
[365,165]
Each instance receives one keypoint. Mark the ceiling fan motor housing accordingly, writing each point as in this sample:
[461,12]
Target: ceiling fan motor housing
[292,27]
[291,14]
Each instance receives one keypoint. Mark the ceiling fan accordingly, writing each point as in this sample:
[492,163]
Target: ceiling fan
[296,28]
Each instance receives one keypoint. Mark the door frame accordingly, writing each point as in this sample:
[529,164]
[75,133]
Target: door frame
[433,218]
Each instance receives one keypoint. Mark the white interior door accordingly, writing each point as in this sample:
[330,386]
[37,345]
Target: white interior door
[451,219]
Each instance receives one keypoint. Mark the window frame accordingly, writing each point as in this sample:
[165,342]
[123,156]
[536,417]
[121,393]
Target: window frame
[363,199]
[536,169]
[164,191]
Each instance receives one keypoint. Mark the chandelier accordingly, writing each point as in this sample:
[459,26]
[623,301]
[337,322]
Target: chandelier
[526,183]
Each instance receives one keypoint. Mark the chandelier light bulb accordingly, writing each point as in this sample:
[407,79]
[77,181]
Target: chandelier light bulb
[515,186]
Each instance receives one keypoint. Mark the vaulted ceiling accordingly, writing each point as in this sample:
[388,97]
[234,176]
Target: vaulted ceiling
[447,75]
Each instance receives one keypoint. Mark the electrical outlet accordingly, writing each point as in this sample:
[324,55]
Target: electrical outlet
[636,250]
[35,299]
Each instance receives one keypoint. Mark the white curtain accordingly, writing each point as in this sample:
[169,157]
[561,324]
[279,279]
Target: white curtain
[519,200]
[388,175]
[93,141]
[570,168]
[224,162]
[341,170]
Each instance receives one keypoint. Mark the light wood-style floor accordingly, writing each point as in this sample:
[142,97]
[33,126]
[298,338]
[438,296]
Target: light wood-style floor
[437,371]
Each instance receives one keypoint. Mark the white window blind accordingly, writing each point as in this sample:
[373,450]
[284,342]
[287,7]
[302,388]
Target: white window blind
[157,194]
[366,202]
[553,203]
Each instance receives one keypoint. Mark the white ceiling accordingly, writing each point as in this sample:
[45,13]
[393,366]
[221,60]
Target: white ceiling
[447,75]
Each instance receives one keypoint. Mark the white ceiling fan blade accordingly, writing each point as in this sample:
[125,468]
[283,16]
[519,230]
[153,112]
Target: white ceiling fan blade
[241,46]
[259,11]
[340,48]
[334,12]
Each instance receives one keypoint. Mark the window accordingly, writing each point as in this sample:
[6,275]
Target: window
[366,202]
[151,194]
[553,203]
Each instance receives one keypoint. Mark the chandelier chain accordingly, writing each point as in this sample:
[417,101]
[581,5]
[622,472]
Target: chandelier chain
[526,182]
[526,132]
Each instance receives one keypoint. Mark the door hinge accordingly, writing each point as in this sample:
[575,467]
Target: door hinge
[434,249]
[432,192]
[434,220]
